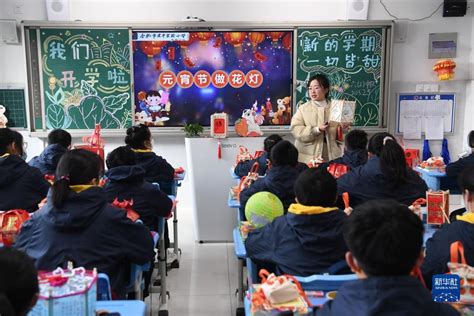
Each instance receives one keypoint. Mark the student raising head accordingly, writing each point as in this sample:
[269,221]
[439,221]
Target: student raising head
[77,224]
[157,169]
[19,283]
[126,181]
[21,186]
[308,239]
[385,175]
[59,141]
[384,240]
[438,247]
[280,178]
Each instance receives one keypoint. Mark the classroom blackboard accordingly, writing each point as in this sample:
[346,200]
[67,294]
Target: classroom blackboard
[85,75]
[14,102]
[353,59]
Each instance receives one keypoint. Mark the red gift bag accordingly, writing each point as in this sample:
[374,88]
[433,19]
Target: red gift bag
[437,206]
[337,170]
[10,224]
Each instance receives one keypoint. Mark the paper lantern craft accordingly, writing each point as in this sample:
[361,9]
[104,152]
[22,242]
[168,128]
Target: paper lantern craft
[262,208]
[342,111]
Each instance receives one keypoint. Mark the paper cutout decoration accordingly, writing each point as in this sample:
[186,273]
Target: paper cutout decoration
[342,111]
[248,125]
[219,125]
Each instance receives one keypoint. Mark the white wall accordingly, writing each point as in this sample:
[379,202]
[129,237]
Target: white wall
[410,62]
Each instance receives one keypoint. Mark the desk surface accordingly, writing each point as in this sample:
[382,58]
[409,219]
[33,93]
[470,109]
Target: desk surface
[231,202]
[124,308]
[239,246]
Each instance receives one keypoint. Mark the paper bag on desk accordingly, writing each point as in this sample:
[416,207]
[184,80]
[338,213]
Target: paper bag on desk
[437,207]
[342,111]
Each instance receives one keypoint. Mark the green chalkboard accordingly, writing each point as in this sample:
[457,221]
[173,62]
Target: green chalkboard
[353,60]
[86,78]
[14,102]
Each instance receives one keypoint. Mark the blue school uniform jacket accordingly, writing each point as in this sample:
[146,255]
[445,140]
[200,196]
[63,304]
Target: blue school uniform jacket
[157,169]
[367,182]
[279,180]
[21,186]
[455,168]
[387,295]
[305,241]
[128,183]
[243,168]
[48,160]
[89,232]
[351,158]
[438,247]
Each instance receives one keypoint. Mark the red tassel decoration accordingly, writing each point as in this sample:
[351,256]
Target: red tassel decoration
[219,150]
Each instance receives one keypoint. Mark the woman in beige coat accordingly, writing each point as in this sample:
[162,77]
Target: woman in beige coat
[315,135]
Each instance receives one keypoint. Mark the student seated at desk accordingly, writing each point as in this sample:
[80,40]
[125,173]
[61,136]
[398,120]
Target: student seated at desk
[126,181]
[59,142]
[21,186]
[384,240]
[77,224]
[438,247]
[355,150]
[308,239]
[385,175]
[19,283]
[243,167]
[280,179]
[157,169]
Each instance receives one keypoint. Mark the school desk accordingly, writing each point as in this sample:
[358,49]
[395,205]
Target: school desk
[178,179]
[431,177]
[124,308]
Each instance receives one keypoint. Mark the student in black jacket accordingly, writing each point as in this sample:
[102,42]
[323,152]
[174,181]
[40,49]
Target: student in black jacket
[280,179]
[384,240]
[77,224]
[157,169]
[59,141]
[126,181]
[384,176]
[355,150]
[21,186]
[243,167]
[438,247]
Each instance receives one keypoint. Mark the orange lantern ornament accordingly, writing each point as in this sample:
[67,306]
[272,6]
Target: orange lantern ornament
[256,38]
[444,68]
[204,37]
[152,48]
[235,39]
[275,36]
[287,42]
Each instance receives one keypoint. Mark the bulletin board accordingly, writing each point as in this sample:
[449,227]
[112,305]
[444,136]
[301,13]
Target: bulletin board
[422,109]
[355,61]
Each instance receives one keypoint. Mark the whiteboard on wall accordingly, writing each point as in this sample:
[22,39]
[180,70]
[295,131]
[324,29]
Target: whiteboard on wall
[425,106]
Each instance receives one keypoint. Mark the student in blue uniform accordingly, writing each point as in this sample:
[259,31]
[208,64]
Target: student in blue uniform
[157,169]
[280,179]
[308,239]
[438,247]
[243,168]
[355,150]
[77,224]
[19,283]
[385,175]
[384,240]
[126,181]
[21,186]
[59,141]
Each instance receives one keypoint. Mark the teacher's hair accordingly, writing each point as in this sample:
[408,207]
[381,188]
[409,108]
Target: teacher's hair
[392,158]
[322,80]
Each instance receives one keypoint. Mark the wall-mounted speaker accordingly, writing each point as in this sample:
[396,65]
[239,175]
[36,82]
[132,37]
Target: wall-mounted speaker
[58,10]
[454,8]
[9,32]
[357,9]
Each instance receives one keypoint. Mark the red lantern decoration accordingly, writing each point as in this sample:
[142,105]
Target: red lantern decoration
[185,44]
[287,42]
[275,36]
[204,37]
[256,38]
[235,39]
[152,48]
[444,68]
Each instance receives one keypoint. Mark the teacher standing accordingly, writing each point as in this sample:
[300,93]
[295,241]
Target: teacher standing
[315,135]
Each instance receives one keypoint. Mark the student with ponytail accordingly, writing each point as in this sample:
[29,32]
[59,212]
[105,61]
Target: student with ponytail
[384,176]
[18,283]
[77,224]
[21,186]
[157,169]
